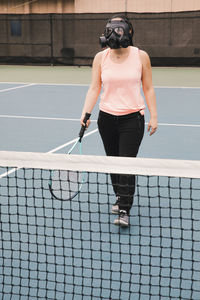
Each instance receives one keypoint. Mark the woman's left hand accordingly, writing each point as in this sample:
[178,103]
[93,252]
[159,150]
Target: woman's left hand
[152,126]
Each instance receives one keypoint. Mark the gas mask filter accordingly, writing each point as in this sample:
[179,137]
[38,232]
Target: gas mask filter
[116,35]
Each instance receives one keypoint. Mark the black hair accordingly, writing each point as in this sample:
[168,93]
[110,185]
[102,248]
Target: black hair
[126,19]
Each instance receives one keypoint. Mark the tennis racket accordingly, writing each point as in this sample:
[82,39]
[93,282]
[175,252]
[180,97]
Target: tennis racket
[63,184]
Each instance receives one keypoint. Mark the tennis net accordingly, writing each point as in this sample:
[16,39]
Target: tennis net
[52,249]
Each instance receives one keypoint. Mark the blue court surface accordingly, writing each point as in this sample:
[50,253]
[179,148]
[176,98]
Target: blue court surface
[45,118]
[42,117]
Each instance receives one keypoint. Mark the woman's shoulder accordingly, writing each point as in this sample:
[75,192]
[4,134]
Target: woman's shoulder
[143,54]
[144,57]
[100,55]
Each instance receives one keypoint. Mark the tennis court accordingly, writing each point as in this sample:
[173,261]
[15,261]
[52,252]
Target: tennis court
[41,116]
[74,245]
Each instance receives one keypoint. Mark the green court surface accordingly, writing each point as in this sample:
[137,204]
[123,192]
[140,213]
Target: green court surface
[165,76]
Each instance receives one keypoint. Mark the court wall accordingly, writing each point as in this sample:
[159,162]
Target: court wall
[67,32]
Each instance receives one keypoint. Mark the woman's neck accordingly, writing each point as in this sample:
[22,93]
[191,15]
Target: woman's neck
[119,55]
[120,51]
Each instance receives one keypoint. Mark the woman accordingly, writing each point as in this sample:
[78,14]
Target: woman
[121,68]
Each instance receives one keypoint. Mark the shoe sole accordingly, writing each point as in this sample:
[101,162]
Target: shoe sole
[121,223]
[115,212]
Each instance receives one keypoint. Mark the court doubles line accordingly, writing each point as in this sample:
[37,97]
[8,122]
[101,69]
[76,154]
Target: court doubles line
[13,170]
[87,84]
[78,120]
[47,84]
[71,142]
[16,87]
[40,118]
[178,125]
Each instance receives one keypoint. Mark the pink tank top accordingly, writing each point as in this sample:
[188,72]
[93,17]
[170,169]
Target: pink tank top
[121,84]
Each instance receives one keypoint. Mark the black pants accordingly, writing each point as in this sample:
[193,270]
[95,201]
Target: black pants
[122,136]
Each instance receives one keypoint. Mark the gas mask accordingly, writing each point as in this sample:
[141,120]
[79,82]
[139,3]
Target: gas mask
[116,35]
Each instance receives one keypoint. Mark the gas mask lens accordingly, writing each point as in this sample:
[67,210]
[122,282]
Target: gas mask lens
[118,30]
[108,31]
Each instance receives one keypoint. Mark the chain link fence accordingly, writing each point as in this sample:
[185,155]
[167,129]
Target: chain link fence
[73,39]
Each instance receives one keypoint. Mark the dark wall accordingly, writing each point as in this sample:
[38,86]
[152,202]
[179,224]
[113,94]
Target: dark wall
[73,39]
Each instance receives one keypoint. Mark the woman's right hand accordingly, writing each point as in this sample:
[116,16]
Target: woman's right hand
[83,124]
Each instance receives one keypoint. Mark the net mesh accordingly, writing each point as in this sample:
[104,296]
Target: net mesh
[52,249]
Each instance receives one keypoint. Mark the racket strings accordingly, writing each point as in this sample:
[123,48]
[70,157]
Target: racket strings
[66,184]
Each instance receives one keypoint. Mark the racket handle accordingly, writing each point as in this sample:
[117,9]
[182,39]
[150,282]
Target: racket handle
[82,131]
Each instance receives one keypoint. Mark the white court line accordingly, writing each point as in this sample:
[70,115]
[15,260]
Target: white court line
[87,84]
[178,125]
[16,87]
[9,172]
[48,84]
[78,120]
[71,142]
[51,151]
[41,118]
[175,87]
